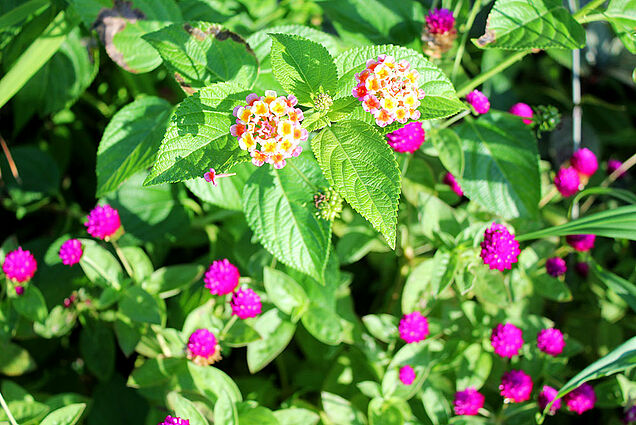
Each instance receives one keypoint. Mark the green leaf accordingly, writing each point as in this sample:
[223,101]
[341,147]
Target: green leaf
[261,42]
[212,382]
[15,360]
[444,267]
[622,194]
[303,67]
[623,288]
[296,416]
[501,169]
[140,306]
[184,408]
[97,347]
[323,324]
[31,304]
[279,208]
[59,322]
[622,16]
[381,326]
[100,266]
[199,137]
[436,405]
[440,100]
[225,410]
[360,165]
[418,290]
[240,334]
[285,292]
[139,262]
[202,53]
[68,415]
[39,175]
[127,333]
[130,141]
[276,330]
[474,367]
[550,287]
[422,357]
[531,24]
[340,411]
[384,412]
[248,415]
[449,148]
[228,193]
[171,280]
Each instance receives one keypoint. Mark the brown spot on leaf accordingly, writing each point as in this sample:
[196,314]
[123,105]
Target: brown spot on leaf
[218,32]
[488,37]
[185,86]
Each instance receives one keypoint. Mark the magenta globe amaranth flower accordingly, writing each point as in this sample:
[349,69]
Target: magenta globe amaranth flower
[522,110]
[546,395]
[407,139]
[555,266]
[515,386]
[172,420]
[449,179]
[222,277]
[407,375]
[468,402]
[630,415]
[203,348]
[479,101]
[581,399]
[413,327]
[567,181]
[613,165]
[103,222]
[246,303]
[581,243]
[550,341]
[19,265]
[499,249]
[584,161]
[506,339]
[440,21]
[71,252]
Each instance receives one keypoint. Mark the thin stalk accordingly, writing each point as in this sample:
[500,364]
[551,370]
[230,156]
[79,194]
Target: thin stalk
[462,45]
[548,197]
[12,166]
[165,349]
[485,76]
[577,111]
[227,326]
[595,17]
[453,120]
[7,411]
[122,258]
[588,8]
[610,179]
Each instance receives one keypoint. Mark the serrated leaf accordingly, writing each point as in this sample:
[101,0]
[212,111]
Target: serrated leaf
[531,24]
[276,331]
[440,100]
[303,67]
[279,208]
[261,42]
[130,141]
[198,138]
[360,165]
[501,170]
[622,16]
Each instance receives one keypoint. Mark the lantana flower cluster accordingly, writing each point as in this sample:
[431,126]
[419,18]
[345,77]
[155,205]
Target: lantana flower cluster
[268,127]
[389,90]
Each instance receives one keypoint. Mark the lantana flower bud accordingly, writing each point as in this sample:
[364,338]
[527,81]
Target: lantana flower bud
[555,266]
[546,395]
[246,303]
[522,110]
[581,399]
[581,243]
[584,161]
[551,341]
[439,33]
[567,181]
[407,139]
[506,339]
[172,420]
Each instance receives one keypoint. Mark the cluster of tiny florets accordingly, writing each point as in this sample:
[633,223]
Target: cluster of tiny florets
[479,101]
[581,243]
[328,203]
[407,139]
[413,327]
[389,90]
[203,348]
[499,249]
[439,33]
[450,180]
[546,395]
[584,161]
[222,277]
[440,21]
[103,222]
[567,181]
[71,252]
[581,399]
[468,402]
[246,303]
[506,339]
[268,127]
[522,110]
[407,375]
[516,386]
[555,266]
[172,420]
[19,266]
[551,341]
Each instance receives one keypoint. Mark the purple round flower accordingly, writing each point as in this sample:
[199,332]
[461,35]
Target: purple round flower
[550,341]
[203,348]
[499,249]
[555,266]
[439,21]
[516,386]
[19,265]
[479,101]
[102,222]
[506,339]
[449,179]
[407,139]
[407,375]
[413,327]
[582,268]
[567,181]
[468,402]
[71,252]
[630,415]
[613,165]
[581,399]
[546,395]
[19,290]
[581,243]
[246,303]
[171,420]
[522,110]
[222,277]
[584,161]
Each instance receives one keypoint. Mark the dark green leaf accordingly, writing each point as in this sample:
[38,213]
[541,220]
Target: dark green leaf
[97,347]
[140,306]
[31,304]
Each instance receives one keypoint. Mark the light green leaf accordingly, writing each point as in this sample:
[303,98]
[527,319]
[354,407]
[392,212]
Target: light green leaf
[100,266]
[551,287]
[449,149]
[139,262]
[249,414]
[184,408]
[474,367]
[285,292]
[228,193]
[622,16]
[323,324]
[240,334]
[68,415]
[279,208]
[211,382]
[59,322]
[384,412]
[381,326]
[418,290]
[435,404]
[140,306]
[501,170]
[225,410]
[198,138]
[276,330]
[296,416]
[531,24]
[340,411]
[421,357]
[171,280]
[302,67]
[15,360]
[360,165]
[130,141]
[31,304]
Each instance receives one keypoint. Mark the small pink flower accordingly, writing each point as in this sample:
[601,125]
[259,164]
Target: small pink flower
[413,327]
[468,402]
[567,181]
[613,165]
[551,341]
[555,266]
[581,243]
[211,176]
[522,110]
[499,249]
[203,348]
[546,395]
[479,101]
[19,265]
[222,277]
[582,268]
[581,399]
[515,386]
[407,375]
[450,180]
[68,302]
[246,303]
[407,139]
[506,339]
[19,290]
[102,222]
[172,420]
[439,21]
[71,252]
[584,161]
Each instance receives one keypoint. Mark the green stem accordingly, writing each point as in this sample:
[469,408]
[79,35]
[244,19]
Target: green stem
[462,44]
[587,8]
[453,120]
[165,349]
[485,76]
[122,258]
[593,18]
[7,411]
[227,326]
